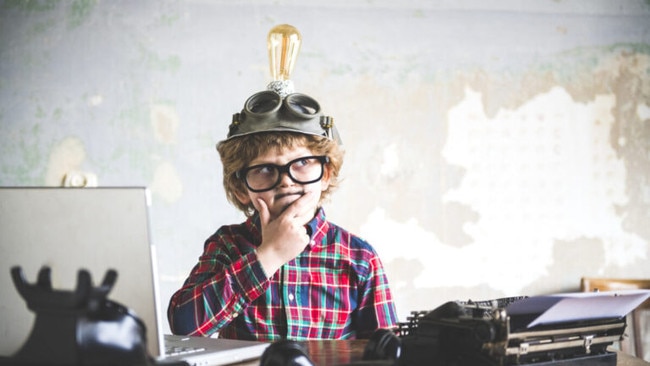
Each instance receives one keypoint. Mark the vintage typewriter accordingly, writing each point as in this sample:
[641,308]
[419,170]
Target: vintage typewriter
[499,332]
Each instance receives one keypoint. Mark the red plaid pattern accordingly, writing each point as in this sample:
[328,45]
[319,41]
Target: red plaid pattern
[335,289]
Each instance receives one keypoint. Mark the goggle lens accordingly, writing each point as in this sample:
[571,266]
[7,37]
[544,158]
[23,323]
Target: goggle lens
[263,103]
[268,102]
[302,105]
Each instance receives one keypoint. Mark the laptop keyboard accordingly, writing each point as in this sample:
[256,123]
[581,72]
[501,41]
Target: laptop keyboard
[176,351]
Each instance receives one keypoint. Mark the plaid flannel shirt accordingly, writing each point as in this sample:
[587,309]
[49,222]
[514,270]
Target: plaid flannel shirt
[335,289]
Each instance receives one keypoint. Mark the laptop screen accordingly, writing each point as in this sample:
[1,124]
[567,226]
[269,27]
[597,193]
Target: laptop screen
[69,229]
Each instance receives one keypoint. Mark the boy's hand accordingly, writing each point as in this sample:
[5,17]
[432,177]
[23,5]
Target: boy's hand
[284,237]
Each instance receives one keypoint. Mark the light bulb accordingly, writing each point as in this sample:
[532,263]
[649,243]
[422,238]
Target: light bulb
[284,45]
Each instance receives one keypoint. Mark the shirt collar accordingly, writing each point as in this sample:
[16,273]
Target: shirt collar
[317,227]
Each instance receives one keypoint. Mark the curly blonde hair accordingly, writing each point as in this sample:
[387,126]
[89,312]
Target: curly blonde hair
[238,152]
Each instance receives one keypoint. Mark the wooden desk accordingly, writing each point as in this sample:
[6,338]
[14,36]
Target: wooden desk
[331,353]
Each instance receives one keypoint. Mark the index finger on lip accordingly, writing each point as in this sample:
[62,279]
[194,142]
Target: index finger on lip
[297,207]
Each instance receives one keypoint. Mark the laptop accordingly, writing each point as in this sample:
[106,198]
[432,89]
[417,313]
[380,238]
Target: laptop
[96,229]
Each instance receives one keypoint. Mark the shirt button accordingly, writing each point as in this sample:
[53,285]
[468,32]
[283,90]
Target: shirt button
[291,297]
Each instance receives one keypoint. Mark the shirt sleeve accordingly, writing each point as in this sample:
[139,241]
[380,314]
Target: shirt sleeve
[376,307]
[226,279]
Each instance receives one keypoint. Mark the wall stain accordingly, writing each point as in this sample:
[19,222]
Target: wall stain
[571,260]
[154,61]
[31,5]
[166,182]
[67,156]
[636,150]
[80,11]
[165,123]
[29,167]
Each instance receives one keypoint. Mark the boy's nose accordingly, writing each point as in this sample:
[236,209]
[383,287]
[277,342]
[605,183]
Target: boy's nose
[285,179]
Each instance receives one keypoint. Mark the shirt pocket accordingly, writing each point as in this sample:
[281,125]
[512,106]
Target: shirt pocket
[331,297]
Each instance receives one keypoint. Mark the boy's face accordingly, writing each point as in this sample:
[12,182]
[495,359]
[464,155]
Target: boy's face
[287,191]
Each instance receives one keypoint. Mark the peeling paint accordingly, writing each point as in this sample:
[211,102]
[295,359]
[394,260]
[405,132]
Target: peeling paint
[535,175]
[167,183]
[165,123]
[67,156]
[95,100]
[643,111]
[390,165]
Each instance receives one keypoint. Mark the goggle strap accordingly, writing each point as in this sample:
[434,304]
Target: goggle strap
[327,123]
[233,125]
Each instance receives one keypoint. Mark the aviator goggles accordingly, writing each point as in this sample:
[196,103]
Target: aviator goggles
[264,177]
[267,111]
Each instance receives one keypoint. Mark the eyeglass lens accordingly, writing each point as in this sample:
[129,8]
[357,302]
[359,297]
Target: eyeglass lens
[303,170]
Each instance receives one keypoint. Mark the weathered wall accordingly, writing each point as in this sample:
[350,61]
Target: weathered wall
[492,150]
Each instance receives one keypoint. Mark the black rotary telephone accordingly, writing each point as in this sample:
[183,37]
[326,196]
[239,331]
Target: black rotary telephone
[79,327]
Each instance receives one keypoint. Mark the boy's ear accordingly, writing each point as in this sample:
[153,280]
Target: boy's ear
[243,197]
[325,181]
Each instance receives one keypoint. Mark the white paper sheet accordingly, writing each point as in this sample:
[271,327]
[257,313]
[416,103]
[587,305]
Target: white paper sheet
[571,307]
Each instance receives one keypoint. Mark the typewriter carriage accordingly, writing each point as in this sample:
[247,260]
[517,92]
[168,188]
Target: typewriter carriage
[470,333]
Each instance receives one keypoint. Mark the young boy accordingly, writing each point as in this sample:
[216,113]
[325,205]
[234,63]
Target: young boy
[286,272]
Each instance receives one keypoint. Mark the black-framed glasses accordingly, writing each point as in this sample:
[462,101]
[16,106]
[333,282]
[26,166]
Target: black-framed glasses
[264,177]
